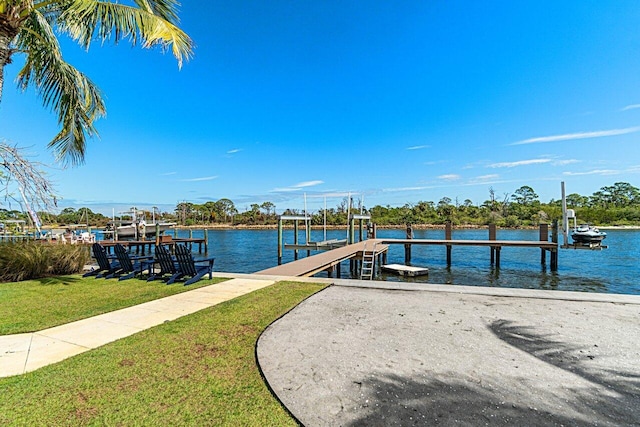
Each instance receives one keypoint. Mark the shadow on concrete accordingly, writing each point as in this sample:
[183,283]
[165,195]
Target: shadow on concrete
[577,360]
[406,401]
[403,401]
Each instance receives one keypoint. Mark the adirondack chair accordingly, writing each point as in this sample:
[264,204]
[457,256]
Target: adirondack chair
[188,267]
[166,262]
[105,267]
[130,266]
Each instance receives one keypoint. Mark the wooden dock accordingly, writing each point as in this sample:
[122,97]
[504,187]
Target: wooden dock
[495,246]
[330,260]
[325,261]
[145,246]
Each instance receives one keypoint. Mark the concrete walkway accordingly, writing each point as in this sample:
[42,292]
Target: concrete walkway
[22,353]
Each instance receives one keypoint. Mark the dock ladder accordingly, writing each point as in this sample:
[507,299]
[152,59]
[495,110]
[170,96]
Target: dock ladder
[368,262]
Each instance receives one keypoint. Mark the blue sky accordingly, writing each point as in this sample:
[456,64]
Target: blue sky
[394,102]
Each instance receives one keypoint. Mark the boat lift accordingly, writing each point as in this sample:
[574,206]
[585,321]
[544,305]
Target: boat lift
[568,214]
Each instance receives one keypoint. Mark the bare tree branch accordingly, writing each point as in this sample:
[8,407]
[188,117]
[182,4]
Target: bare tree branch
[17,173]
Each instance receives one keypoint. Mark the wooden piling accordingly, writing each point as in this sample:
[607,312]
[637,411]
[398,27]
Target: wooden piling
[447,236]
[206,241]
[407,247]
[493,234]
[544,236]
[279,241]
[554,239]
[295,238]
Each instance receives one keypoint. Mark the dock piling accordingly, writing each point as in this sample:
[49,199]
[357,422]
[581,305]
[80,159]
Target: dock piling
[447,236]
[554,239]
[407,247]
[493,234]
[544,237]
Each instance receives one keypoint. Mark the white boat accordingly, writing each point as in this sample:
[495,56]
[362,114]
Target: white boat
[141,229]
[136,227]
[586,234]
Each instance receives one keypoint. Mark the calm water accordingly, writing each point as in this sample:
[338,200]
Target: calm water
[612,270]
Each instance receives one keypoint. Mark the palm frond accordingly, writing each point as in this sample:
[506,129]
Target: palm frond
[64,89]
[153,23]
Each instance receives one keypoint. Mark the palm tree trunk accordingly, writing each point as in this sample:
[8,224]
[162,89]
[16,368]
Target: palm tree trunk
[5,57]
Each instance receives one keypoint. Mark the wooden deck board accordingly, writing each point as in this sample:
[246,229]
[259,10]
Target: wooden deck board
[311,265]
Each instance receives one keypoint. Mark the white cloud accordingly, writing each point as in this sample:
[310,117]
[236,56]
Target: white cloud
[204,178]
[418,147]
[297,186]
[450,177]
[578,135]
[630,107]
[234,151]
[593,172]
[390,190]
[487,177]
[519,163]
[308,184]
[168,173]
[565,162]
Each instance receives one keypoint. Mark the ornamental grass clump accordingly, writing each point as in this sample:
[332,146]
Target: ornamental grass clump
[33,260]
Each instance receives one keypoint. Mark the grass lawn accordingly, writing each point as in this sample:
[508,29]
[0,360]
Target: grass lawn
[34,305]
[197,370]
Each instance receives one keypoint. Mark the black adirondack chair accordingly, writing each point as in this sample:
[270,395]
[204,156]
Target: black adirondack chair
[105,267]
[130,266]
[188,267]
[166,262]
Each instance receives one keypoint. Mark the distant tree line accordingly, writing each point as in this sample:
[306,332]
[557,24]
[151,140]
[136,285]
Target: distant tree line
[617,204]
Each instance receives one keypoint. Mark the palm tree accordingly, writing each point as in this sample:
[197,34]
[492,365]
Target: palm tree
[29,27]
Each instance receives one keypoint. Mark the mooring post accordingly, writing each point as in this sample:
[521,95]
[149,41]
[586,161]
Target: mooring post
[447,236]
[374,230]
[279,241]
[544,237]
[407,246]
[352,230]
[360,235]
[206,241]
[157,234]
[307,230]
[295,239]
[493,232]
[554,239]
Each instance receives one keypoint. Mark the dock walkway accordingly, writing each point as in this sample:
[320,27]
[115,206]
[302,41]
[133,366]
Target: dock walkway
[309,266]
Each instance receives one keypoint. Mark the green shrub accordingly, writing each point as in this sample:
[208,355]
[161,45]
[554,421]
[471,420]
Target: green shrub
[33,260]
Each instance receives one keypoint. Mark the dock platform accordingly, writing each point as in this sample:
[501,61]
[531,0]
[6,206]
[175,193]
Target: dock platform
[405,270]
[145,246]
[329,260]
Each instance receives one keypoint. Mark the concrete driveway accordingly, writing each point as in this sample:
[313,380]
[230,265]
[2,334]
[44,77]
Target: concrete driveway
[451,355]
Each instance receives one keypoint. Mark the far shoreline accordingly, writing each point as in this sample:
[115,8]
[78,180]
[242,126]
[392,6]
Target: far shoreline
[379,227]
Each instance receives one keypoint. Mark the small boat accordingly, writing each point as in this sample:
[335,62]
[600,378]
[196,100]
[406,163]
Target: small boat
[586,234]
[141,229]
[136,226]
